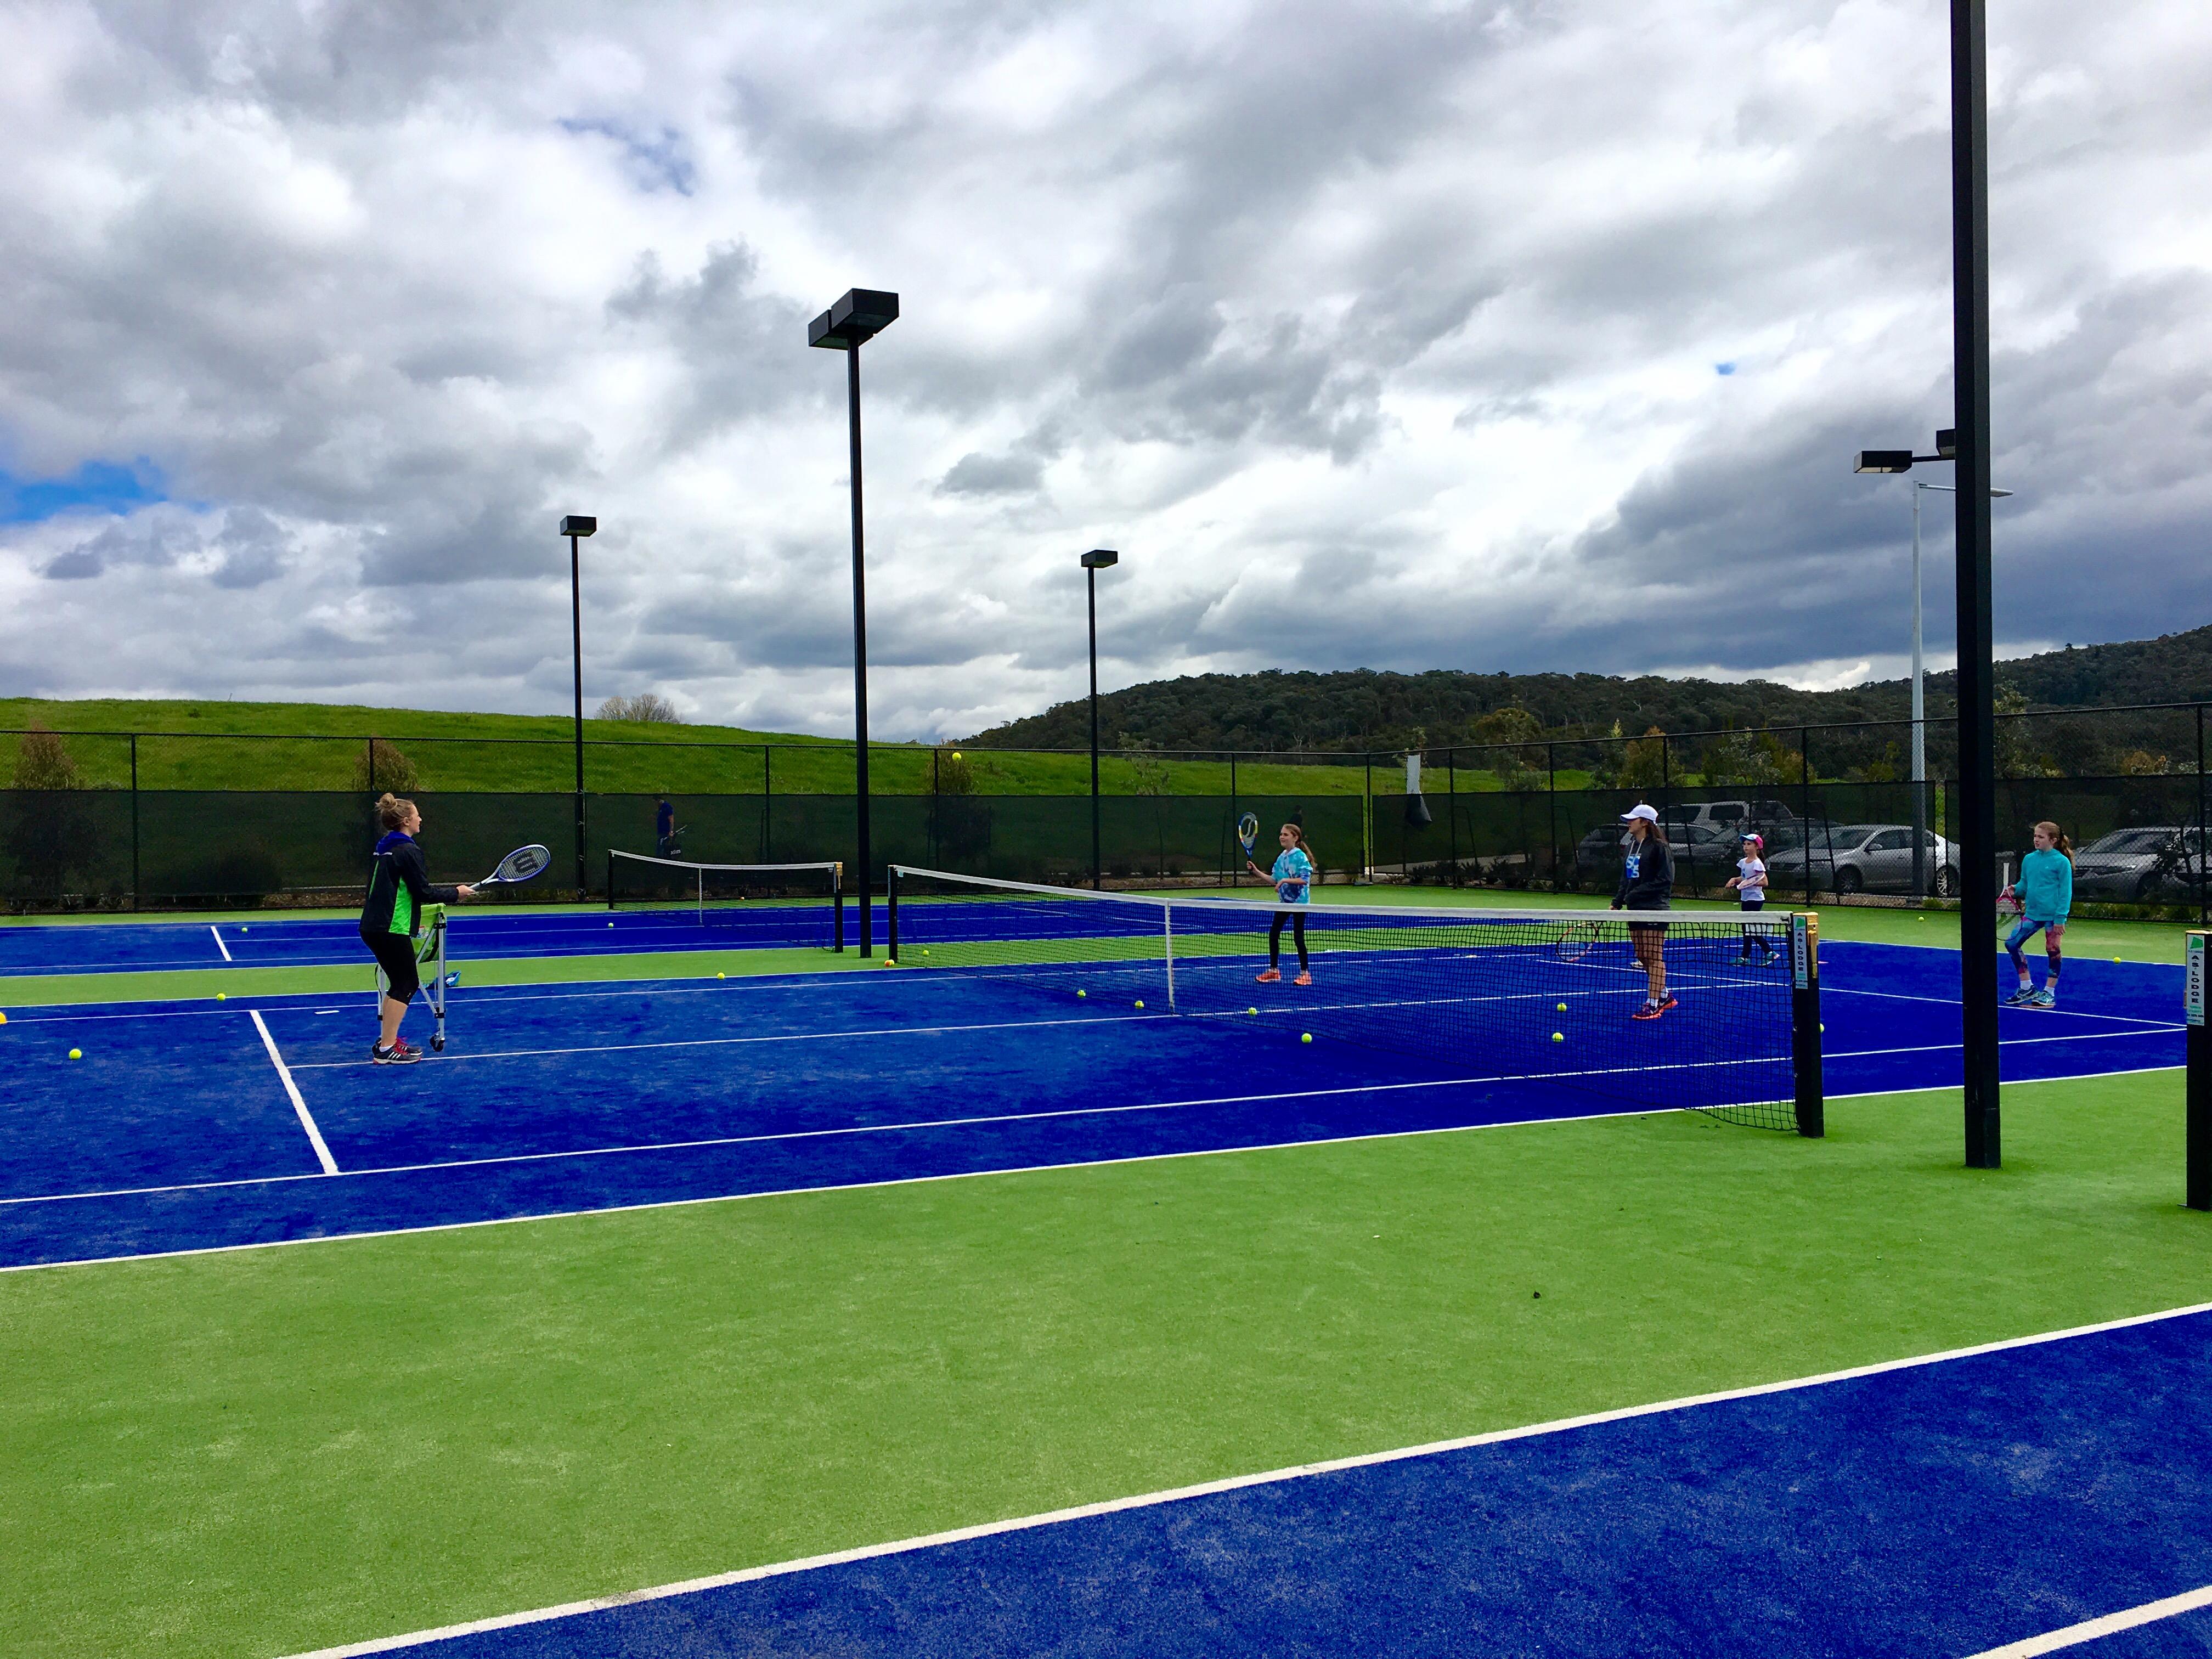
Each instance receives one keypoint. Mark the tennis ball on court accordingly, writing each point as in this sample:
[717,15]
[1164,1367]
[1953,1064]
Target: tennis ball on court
[1563,1007]
[223,996]
[1251,1011]
[1140,1002]
[76,1053]
[246,930]
[611,924]
[1305,1037]
[722,976]
[1083,993]
[1557,1037]
[3,1019]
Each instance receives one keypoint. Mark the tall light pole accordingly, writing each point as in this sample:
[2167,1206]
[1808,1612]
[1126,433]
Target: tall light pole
[1097,559]
[1919,705]
[858,317]
[576,526]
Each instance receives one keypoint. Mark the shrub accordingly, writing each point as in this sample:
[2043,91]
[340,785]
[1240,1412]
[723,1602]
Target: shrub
[646,709]
[393,771]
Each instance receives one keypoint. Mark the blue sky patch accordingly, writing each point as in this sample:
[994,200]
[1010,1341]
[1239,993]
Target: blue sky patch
[97,486]
[657,160]
[1724,368]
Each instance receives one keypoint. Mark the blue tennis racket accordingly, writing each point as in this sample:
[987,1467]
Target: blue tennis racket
[518,866]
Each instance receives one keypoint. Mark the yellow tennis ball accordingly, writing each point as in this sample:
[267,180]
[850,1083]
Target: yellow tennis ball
[1251,1011]
[76,1053]
[1083,993]
[956,754]
[246,930]
[722,976]
[1557,1037]
[1140,1002]
[1563,1007]
[3,1019]
[611,924]
[223,996]
[1305,1037]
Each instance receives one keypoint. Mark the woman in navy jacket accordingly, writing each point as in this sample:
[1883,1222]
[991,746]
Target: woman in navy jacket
[400,887]
[1647,883]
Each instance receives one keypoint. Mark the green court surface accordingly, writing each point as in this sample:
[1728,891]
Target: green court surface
[267,1451]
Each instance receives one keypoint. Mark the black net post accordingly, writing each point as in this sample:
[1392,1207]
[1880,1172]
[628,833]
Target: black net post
[1805,802]
[2203,852]
[837,902]
[2199,1087]
[1805,1024]
[134,808]
[610,878]
[890,914]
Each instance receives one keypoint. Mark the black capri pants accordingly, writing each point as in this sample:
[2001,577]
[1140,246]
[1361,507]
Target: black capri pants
[395,954]
[1298,920]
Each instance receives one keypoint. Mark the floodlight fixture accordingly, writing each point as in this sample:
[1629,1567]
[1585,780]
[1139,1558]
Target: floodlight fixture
[1101,558]
[859,316]
[579,523]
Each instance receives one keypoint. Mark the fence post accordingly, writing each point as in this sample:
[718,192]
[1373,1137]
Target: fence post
[1367,822]
[372,766]
[2202,902]
[1805,802]
[133,803]
[767,799]
[1552,807]
[1451,806]
[1235,816]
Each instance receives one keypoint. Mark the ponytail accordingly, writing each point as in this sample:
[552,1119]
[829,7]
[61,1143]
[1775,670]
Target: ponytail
[2058,838]
[1299,833]
[392,810]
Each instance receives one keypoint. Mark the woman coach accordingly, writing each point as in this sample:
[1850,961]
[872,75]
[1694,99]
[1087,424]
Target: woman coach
[398,888]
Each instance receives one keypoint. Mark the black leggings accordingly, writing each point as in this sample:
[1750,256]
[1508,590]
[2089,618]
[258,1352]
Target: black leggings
[1298,920]
[395,954]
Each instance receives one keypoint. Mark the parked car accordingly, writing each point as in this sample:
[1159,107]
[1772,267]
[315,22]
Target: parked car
[1735,815]
[2145,865]
[1704,854]
[1875,857]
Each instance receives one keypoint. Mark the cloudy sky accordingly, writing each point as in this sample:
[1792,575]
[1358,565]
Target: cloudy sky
[1522,334]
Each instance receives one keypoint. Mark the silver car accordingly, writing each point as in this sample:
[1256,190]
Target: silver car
[2146,865]
[1874,858]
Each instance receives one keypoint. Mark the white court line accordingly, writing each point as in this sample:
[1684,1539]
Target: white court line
[1271,1477]
[219,944]
[306,1120]
[2110,1624]
[912,1180]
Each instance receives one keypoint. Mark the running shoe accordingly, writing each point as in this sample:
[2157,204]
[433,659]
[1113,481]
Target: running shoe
[2020,997]
[1271,977]
[2046,998]
[402,1053]
[1653,1010]
[1302,979]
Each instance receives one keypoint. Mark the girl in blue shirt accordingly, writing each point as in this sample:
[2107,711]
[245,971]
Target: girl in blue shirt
[2045,892]
[1293,878]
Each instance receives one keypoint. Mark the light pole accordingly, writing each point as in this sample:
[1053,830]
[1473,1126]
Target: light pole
[858,317]
[1097,559]
[576,526]
[1919,707]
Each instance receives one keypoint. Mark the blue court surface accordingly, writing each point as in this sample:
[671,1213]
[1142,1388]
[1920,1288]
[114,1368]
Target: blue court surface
[192,1126]
[117,947]
[1961,1505]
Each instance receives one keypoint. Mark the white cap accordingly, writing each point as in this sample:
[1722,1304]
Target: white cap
[1648,814]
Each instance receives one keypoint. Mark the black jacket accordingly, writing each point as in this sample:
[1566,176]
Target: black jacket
[1652,886]
[399,867]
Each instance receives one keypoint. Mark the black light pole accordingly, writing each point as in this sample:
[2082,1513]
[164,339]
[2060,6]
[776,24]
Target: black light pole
[574,527]
[858,317]
[1097,559]
[1968,444]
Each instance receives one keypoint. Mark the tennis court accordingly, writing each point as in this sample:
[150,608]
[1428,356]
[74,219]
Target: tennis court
[1131,1401]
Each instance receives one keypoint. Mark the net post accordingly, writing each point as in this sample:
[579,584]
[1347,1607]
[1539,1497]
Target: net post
[1805,1023]
[2197,1090]
[1167,935]
[610,878]
[837,908]
[890,914]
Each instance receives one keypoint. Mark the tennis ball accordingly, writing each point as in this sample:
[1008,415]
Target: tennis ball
[246,930]
[223,996]
[722,976]
[3,1019]
[1563,1007]
[611,924]
[76,1053]
[1140,1002]
[1557,1037]
[1305,1037]
[1251,1011]
[1083,993]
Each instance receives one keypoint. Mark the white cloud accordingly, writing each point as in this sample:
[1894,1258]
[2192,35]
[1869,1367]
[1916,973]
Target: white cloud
[1370,335]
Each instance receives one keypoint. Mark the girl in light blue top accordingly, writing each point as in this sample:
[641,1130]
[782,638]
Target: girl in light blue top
[2044,893]
[1293,876]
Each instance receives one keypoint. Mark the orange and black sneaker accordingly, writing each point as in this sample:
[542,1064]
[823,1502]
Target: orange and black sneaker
[1651,1010]
[1304,978]
[1271,977]
[402,1053]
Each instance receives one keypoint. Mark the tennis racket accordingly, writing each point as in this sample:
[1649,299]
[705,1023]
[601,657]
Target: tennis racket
[1248,831]
[520,865]
[2009,908]
[1579,940]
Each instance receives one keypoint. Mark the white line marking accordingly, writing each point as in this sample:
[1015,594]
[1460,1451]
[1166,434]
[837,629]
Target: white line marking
[919,1180]
[219,944]
[1242,1482]
[2089,1630]
[307,1121]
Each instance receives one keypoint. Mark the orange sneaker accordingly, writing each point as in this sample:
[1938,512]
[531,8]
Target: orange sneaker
[1302,979]
[1271,977]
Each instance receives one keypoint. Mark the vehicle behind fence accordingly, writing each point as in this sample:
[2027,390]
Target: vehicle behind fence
[120,821]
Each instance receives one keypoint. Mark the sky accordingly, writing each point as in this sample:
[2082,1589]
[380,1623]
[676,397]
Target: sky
[1493,336]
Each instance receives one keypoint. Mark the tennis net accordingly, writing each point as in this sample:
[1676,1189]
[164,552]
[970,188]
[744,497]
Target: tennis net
[1544,996]
[770,904]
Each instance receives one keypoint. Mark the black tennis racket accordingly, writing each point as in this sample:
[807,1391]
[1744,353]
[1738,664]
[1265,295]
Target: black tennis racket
[1578,940]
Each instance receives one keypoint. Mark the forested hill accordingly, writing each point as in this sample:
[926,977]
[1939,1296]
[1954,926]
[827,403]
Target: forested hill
[1365,710]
